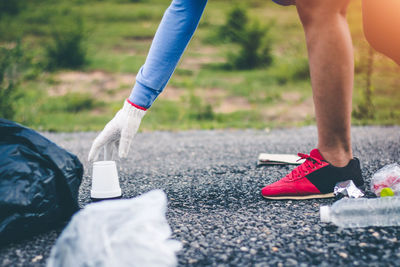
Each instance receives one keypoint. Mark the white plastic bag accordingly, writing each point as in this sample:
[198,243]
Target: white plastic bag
[386,177]
[132,232]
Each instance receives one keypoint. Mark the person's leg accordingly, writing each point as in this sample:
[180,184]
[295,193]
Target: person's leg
[381,21]
[330,54]
[172,37]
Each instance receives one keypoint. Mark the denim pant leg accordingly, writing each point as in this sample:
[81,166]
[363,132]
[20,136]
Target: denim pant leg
[176,29]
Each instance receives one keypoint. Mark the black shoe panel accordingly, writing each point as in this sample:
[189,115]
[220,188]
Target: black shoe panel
[327,177]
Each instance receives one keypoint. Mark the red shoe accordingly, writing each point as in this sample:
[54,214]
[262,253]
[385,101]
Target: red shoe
[315,178]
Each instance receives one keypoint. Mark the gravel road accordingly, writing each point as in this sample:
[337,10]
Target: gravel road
[215,208]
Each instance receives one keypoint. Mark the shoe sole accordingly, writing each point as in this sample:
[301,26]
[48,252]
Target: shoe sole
[328,195]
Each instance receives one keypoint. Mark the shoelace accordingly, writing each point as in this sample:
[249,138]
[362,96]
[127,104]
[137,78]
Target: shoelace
[306,167]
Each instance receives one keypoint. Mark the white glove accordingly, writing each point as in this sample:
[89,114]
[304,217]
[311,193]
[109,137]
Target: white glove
[120,130]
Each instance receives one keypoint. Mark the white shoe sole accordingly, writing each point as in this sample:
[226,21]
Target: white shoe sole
[328,195]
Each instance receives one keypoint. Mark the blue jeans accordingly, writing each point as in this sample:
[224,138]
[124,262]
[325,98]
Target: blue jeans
[176,29]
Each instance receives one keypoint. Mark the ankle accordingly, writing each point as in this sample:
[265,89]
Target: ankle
[336,157]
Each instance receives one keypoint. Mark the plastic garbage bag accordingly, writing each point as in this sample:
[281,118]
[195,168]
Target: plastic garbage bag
[126,232]
[39,183]
[386,177]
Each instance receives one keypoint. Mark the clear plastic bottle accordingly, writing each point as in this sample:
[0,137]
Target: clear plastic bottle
[363,212]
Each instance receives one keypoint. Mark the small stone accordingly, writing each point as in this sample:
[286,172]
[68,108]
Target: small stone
[6,262]
[383,232]
[224,257]
[253,239]
[244,249]
[373,257]
[18,252]
[376,234]
[195,244]
[291,262]
[253,251]
[363,245]
[343,255]
[275,249]
[37,258]
[191,261]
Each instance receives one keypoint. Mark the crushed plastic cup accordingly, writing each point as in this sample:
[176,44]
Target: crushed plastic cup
[105,182]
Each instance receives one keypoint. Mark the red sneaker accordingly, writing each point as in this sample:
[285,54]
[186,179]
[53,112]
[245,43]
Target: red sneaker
[315,178]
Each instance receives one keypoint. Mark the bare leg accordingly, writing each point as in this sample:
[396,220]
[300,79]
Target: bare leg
[330,54]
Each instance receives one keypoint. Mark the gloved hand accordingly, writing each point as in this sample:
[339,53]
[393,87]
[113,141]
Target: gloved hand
[119,132]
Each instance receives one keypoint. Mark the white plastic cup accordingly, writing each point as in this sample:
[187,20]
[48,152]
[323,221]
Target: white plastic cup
[105,182]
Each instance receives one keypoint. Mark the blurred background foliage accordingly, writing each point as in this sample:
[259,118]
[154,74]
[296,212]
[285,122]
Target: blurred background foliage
[67,65]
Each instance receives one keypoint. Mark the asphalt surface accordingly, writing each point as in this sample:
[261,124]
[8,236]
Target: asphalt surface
[215,208]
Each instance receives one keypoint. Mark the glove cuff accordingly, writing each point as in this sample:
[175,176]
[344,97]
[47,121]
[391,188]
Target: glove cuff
[132,110]
[136,106]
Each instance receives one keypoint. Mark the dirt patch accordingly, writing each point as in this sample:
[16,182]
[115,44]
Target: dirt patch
[117,86]
[293,108]
[211,94]
[99,84]
[206,55]
[172,93]
[218,98]
[221,101]
[195,63]
[232,104]
[235,80]
[291,97]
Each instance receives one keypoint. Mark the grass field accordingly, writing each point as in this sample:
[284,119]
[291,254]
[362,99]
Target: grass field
[202,93]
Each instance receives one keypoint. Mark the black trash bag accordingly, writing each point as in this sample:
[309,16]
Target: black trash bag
[39,183]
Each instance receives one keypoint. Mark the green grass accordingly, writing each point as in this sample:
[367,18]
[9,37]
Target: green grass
[166,115]
[119,34]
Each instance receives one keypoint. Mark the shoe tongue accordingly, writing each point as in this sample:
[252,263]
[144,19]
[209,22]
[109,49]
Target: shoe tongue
[315,154]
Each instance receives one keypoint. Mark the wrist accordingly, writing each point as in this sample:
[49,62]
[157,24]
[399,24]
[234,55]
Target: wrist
[142,95]
[133,111]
